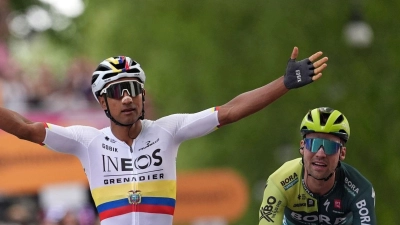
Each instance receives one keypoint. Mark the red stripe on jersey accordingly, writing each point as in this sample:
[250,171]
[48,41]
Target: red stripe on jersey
[159,209]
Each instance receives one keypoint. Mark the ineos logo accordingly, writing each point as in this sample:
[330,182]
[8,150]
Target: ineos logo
[127,164]
[142,162]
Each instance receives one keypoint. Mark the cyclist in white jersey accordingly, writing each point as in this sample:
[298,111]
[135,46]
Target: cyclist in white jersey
[131,165]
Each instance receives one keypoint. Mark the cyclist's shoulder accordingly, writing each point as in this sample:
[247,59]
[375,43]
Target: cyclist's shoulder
[350,172]
[353,179]
[73,128]
[289,170]
[178,119]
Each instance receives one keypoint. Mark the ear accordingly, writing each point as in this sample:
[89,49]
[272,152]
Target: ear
[144,93]
[342,154]
[302,147]
[102,102]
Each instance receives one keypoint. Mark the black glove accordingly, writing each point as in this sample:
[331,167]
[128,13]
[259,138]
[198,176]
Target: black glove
[298,73]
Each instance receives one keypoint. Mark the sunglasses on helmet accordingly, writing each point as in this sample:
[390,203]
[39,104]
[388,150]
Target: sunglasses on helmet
[116,90]
[329,147]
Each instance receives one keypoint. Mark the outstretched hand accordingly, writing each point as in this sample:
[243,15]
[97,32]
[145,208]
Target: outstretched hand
[303,72]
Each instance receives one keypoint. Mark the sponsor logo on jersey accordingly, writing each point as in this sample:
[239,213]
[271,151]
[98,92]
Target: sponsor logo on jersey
[148,144]
[310,202]
[268,212]
[363,212]
[109,147]
[350,186]
[290,181]
[314,219]
[133,178]
[113,165]
[326,204]
[306,189]
[300,204]
[301,197]
[337,204]
[142,162]
[110,139]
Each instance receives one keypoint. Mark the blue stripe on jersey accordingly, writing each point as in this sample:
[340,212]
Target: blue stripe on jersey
[145,200]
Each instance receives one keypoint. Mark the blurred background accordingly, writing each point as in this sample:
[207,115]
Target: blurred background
[196,55]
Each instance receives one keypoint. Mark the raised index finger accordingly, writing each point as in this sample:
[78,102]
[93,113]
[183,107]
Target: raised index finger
[315,56]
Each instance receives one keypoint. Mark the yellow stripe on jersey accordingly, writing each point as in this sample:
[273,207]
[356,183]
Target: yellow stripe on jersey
[163,188]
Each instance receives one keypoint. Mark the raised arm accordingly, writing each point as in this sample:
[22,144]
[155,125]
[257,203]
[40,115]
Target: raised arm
[298,74]
[15,124]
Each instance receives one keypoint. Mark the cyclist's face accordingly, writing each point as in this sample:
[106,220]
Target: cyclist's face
[319,163]
[126,109]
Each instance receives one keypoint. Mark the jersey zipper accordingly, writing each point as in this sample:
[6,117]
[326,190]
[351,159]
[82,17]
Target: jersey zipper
[134,186]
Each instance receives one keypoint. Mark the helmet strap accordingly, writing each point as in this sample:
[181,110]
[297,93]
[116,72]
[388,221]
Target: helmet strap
[324,179]
[142,116]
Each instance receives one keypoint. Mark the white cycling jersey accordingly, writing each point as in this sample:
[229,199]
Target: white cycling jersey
[132,184]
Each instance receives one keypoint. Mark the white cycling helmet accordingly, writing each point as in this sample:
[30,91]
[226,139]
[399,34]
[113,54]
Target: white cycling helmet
[114,68]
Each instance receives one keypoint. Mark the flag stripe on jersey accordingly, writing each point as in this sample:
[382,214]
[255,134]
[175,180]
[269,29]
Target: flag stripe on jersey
[145,200]
[148,205]
[157,197]
[159,189]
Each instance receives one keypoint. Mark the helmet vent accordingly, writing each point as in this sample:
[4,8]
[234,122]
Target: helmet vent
[339,120]
[102,68]
[309,117]
[134,70]
[94,78]
[109,75]
[323,117]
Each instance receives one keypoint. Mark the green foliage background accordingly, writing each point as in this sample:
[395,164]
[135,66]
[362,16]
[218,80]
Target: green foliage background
[199,54]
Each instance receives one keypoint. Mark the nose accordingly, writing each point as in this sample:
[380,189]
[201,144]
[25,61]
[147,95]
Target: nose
[321,152]
[125,92]
[126,99]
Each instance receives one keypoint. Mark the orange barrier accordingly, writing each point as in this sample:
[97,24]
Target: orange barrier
[26,167]
[220,193]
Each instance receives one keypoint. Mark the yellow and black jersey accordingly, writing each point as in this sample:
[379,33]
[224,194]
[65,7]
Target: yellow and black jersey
[287,200]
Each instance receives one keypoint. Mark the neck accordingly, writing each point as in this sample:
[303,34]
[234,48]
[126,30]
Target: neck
[319,187]
[126,133]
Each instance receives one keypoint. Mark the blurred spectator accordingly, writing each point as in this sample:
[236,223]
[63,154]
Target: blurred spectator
[59,215]
[21,212]
[4,55]
[13,88]
[44,85]
[75,93]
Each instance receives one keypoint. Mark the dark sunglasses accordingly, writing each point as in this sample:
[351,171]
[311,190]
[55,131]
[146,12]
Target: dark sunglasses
[116,90]
[329,147]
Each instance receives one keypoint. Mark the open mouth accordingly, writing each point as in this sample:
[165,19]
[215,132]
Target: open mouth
[319,164]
